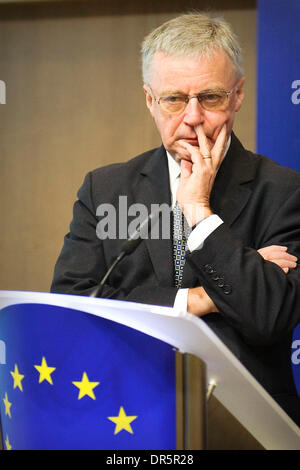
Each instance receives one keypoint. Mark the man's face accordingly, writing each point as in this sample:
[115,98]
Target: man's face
[190,76]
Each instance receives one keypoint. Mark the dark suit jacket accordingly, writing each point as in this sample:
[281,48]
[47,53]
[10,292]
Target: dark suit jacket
[259,304]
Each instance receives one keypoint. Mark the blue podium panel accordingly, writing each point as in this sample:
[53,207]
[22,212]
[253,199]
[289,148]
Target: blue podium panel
[296,357]
[73,380]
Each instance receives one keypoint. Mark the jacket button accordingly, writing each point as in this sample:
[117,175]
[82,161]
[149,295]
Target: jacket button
[227,289]
[215,277]
[221,282]
[209,269]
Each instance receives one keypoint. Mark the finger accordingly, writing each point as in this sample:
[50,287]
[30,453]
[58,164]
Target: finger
[218,149]
[276,251]
[186,169]
[286,270]
[285,256]
[183,153]
[283,263]
[274,247]
[203,142]
[195,154]
[279,247]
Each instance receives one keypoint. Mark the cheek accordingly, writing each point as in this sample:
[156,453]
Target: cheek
[216,121]
[167,127]
[212,124]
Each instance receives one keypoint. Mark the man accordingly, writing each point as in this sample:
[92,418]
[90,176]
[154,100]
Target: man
[242,209]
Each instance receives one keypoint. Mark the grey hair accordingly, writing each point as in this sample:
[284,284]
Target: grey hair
[194,35]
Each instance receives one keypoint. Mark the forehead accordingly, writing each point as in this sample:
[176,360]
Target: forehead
[189,74]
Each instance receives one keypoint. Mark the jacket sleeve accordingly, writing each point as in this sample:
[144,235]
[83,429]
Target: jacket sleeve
[82,262]
[253,295]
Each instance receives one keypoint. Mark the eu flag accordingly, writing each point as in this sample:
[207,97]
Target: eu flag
[72,380]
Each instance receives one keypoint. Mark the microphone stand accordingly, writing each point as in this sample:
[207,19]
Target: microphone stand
[128,247]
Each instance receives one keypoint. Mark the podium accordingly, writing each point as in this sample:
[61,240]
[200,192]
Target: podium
[84,373]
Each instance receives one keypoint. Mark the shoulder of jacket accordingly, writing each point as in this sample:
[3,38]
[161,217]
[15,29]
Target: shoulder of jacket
[280,174]
[134,164]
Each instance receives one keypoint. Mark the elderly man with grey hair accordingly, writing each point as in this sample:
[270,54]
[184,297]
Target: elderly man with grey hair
[234,261]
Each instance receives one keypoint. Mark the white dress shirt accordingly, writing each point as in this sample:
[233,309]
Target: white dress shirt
[201,231]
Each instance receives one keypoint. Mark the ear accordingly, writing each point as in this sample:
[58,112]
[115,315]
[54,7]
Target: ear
[239,94]
[149,99]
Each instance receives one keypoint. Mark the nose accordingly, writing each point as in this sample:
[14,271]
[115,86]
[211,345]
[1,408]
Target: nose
[194,113]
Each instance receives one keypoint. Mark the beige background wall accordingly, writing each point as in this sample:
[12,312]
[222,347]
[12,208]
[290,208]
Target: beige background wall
[75,102]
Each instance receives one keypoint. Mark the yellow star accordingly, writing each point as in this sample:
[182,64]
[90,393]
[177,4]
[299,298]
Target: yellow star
[122,421]
[8,446]
[17,378]
[45,371]
[7,405]
[86,387]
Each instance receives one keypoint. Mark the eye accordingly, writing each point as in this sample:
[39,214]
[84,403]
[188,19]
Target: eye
[173,99]
[211,97]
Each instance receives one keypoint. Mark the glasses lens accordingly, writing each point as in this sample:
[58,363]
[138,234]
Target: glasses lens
[173,104]
[217,100]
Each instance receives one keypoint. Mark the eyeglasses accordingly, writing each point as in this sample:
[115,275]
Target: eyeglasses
[211,100]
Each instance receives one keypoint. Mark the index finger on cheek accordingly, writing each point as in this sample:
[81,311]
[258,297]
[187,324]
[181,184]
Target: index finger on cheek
[221,141]
[203,143]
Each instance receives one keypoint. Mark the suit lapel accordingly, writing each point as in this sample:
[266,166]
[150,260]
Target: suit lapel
[154,188]
[230,193]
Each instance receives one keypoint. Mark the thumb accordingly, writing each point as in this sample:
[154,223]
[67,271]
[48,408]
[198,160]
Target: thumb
[186,168]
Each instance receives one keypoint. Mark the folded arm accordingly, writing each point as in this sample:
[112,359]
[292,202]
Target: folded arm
[250,289]
[200,304]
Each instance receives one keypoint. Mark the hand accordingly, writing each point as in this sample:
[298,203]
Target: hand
[198,175]
[200,304]
[280,256]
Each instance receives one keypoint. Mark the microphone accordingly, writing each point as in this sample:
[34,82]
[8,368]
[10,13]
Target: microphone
[128,247]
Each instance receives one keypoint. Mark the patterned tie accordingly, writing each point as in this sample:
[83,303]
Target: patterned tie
[181,232]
